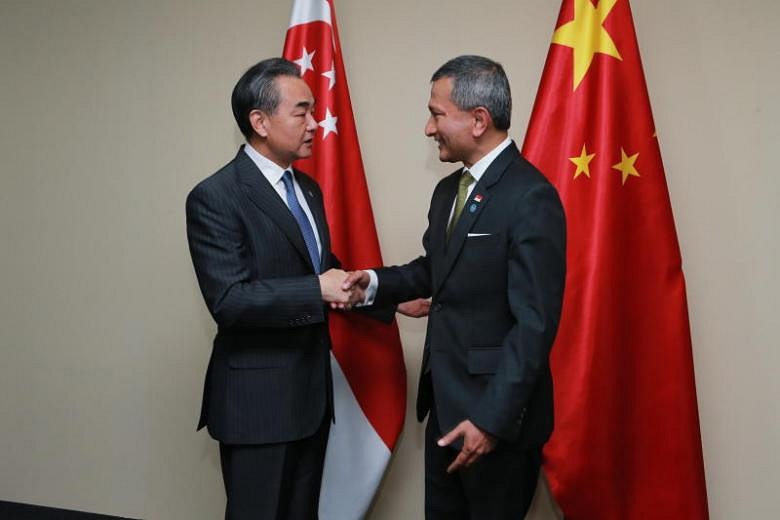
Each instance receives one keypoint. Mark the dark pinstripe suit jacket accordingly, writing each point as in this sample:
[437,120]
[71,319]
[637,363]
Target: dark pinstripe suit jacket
[268,379]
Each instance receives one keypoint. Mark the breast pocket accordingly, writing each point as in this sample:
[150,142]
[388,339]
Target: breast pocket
[477,239]
[481,266]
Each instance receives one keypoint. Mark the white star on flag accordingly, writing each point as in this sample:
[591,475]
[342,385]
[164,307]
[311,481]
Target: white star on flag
[331,75]
[328,124]
[305,61]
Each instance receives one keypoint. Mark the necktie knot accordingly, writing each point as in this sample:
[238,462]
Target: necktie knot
[287,180]
[466,179]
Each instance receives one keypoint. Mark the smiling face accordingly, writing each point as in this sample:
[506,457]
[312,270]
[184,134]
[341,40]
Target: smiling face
[449,126]
[288,133]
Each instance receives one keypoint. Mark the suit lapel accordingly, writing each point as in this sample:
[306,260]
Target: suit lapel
[265,197]
[440,217]
[475,204]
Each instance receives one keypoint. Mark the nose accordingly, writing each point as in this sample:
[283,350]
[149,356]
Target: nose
[311,123]
[430,127]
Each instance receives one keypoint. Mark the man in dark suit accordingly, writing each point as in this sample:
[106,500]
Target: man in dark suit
[494,266]
[261,249]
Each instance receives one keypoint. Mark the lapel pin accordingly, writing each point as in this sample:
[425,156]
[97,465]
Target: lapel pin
[473,207]
[310,194]
[478,197]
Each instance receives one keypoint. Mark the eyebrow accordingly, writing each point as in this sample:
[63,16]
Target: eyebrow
[304,104]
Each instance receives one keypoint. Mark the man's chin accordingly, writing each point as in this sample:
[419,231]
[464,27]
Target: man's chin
[444,156]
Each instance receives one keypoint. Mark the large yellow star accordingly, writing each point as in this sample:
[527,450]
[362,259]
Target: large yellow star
[582,162]
[587,36]
[626,165]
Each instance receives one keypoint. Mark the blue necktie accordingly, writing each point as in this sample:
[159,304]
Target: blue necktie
[303,221]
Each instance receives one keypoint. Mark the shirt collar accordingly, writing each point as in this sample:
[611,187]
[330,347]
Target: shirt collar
[478,168]
[272,171]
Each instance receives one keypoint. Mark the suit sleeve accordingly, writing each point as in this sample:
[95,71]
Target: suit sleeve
[536,275]
[216,239]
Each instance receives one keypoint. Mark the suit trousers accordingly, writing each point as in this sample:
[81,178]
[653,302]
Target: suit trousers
[275,481]
[499,485]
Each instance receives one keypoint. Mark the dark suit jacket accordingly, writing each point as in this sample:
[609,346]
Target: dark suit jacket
[268,379]
[496,301]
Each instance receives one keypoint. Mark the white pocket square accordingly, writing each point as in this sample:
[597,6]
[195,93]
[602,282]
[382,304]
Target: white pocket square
[478,235]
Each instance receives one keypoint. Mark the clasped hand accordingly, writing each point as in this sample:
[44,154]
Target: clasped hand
[337,293]
[414,309]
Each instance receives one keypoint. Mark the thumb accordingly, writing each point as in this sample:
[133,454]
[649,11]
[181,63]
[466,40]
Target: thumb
[451,436]
[351,279]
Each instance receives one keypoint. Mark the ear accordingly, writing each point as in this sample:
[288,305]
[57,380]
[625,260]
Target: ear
[482,121]
[258,120]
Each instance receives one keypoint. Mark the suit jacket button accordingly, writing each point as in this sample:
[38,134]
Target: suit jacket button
[437,307]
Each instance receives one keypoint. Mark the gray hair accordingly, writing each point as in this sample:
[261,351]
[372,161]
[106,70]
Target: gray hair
[257,90]
[479,82]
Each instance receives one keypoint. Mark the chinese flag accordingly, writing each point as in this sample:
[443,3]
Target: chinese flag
[626,443]
[367,360]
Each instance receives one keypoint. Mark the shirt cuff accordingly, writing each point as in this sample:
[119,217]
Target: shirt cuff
[373,285]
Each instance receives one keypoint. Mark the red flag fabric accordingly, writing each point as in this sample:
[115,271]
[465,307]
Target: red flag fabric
[626,443]
[367,360]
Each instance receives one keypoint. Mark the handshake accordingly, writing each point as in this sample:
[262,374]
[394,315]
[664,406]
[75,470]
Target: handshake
[345,289]
[342,289]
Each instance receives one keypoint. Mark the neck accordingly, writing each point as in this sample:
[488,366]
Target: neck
[262,148]
[484,145]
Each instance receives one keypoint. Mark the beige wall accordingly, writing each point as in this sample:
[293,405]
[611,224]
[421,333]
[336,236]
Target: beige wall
[110,111]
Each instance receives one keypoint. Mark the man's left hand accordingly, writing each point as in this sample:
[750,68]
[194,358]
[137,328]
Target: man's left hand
[476,442]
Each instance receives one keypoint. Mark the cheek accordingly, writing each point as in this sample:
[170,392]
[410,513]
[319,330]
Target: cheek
[294,130]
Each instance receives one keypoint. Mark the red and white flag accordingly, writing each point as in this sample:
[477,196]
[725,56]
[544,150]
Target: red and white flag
[369,377]
[626,443]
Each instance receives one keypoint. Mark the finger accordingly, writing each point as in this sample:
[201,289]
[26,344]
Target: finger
[451,436]
[351,280]
[457,463]
[472,458]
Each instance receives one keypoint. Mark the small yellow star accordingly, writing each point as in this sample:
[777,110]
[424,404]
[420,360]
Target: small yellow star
[582,162]
[587,36]
[626,165]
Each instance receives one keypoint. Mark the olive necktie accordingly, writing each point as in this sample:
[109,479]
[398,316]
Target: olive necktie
[463,188]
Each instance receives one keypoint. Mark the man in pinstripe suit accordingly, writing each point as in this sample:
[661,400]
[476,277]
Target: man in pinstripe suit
[261,249]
